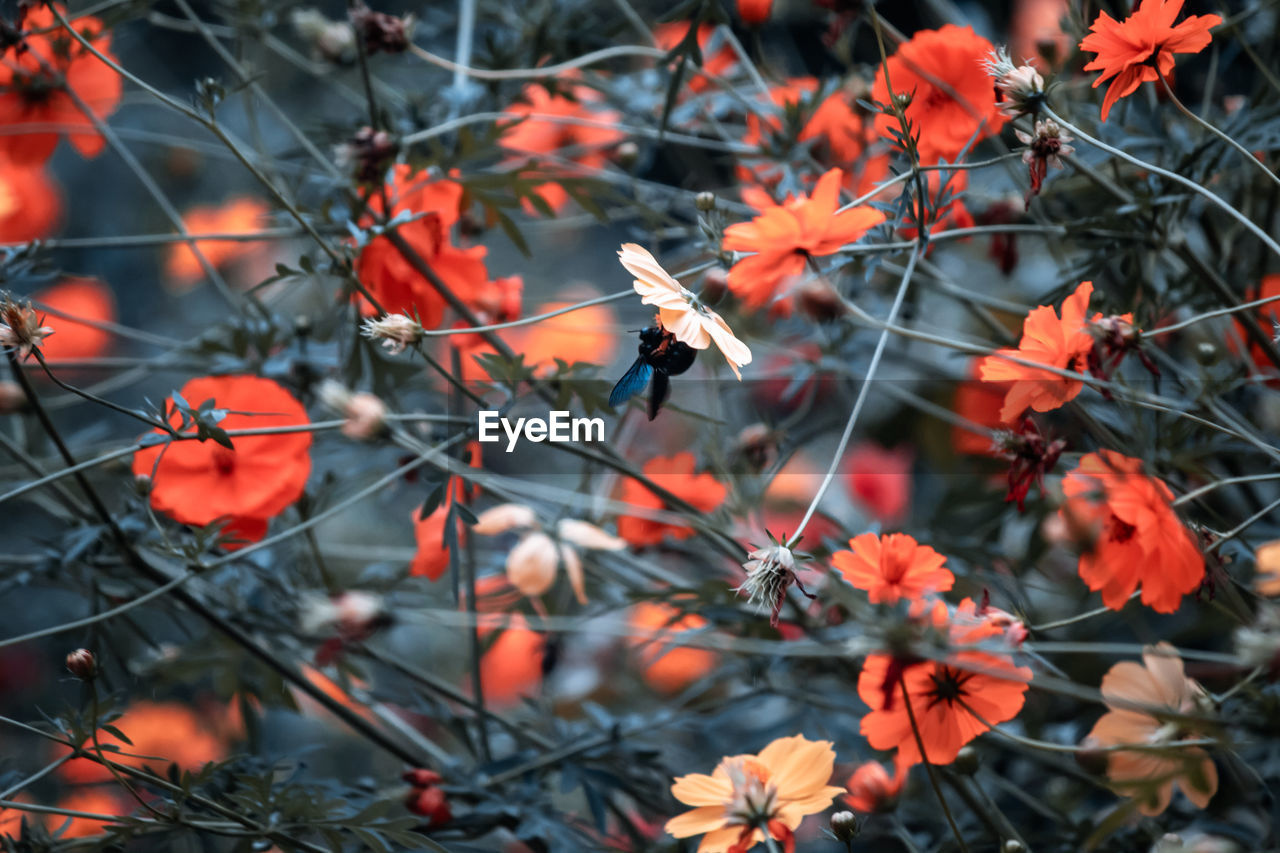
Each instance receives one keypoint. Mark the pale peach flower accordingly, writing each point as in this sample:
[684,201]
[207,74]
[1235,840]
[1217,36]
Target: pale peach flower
[365,413]
[1267,561]
[747,795]
[682,314]
[1148,774]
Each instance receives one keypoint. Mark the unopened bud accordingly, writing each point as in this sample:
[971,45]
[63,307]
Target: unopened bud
[1206,353]
[82,664]
[420,777]
[967,761]
[818,300]
[845,826]
[12,398]
[627,154]
[715,284]
[705,201]
[142,484]
[1013,845]
[902,100]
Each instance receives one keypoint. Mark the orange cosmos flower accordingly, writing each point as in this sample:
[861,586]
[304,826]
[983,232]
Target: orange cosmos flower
[953,701]
[172,733]
[30,205]
[893,567]
[667,668]
[433,207]
[557,122]
[747,795]
[1061,342]
[675,474]
[980,403]
[1139,538]
[587,334]
[1148,775]
[199,482]
[785,236]
[237,216]
[871,789]
[952,99]
[1266,561]
[37,75]
[1141,47]
[717,62]
[82,299]
[91,801]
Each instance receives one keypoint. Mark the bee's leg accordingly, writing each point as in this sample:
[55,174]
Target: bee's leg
[658,392]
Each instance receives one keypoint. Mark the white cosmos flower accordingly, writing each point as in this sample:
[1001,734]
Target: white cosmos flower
[681,313]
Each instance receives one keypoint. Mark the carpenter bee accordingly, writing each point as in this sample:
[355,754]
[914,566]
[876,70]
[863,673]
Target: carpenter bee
[661,356]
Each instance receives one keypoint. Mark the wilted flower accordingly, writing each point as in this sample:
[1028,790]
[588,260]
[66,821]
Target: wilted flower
[351,616]
[770,571]
[749,795]
[681,313]
[533,562]
[1114,337]
[333,41]
[1021,85]
[1032,456]
[20,327]
[871,789]
[1044,152]
[382,33]
[396,331]
[368,154]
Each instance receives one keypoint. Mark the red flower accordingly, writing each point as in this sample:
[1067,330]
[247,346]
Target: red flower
[754,12]
[1141,47]
[1139,538]
[434,206]
[236,216]
[668,36]
[199,482]
[30,205]
[675,474]
[880,480]
[952,98]
[871,789]
[35,76]
[84,299]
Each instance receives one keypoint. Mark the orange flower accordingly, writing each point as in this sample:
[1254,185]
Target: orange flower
[1139,538]
[36,73]
[1037,29]
[880,480]
[893,567]
[91,801]
[511,666]
[587,334]
[237,216]
[432,558]
[1141,47]
[557,122]
[946,697]
[172,733]
[1148,775]
[952,99]
[870,788]
[675,474]
[1268,317]
[980,403]
[748,794]
[433,206]
[30,205]
[84,299]
[717,62]
[199,482]
[1266,562]
[666,668]
[784,237]
[1061,342]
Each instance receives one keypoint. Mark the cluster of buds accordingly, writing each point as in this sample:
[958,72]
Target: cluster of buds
[1021,87]
[1045,151]
[381,33]
[770,571]
[1032,456]
[351,617]
[365,413]
[425,796]
[395,331]
[367,155]
[1114,337]
[20,327]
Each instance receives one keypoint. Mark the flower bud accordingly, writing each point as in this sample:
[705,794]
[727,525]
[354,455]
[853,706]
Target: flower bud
[705,201]
[430,803]
[845,826]
[627,154]
[420,777]
[1013,845]
[382,33]
[715,284]
[1207,353]
[967,761]
[82,664]
[12,397]
[818,300]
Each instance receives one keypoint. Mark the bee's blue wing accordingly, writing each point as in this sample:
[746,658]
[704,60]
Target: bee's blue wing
[631,383]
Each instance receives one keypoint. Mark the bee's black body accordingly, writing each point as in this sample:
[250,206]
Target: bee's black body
[661,356]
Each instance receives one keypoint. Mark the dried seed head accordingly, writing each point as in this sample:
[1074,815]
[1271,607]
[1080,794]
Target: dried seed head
[396,331]
[769,572]
[20,327]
